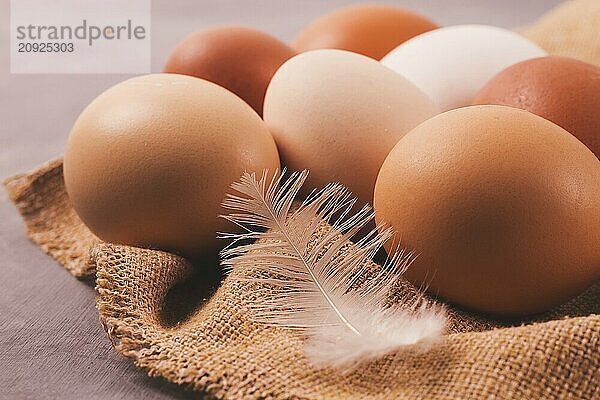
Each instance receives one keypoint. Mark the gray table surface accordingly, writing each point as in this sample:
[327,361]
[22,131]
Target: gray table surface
[51,342]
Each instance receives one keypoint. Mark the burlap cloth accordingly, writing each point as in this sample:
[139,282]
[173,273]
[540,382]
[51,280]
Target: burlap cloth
[151,305]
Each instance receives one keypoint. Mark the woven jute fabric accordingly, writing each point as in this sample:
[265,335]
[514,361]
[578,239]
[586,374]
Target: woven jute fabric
[153,308]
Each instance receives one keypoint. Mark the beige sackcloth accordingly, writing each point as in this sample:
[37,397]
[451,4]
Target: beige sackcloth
[150,304]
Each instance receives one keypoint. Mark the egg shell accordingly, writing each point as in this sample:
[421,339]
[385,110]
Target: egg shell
[452,64]
[502,207]
[563,90]
[240,59]
[338,114]
[149,161]
[369,29]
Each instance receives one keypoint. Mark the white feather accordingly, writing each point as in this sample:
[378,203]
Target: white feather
[315,281]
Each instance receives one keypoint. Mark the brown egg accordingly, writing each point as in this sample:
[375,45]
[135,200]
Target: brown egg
[341,122]
[563,90]
[149,161]
[369,29]
[240,59]
[502,206]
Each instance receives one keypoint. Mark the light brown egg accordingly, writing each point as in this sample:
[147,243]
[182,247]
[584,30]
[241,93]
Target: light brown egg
[240,59]
[502,206]
[338,114]
[369,29]
[563,90]
[149,161]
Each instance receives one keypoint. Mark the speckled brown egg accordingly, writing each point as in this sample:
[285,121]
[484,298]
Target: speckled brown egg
[240,59]
[369,29]
[149,161]
[501,205]
[563,90]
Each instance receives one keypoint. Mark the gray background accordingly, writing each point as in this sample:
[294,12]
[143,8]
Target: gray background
[51,342]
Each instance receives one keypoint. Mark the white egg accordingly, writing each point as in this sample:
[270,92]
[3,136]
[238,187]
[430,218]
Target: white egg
[451,64]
